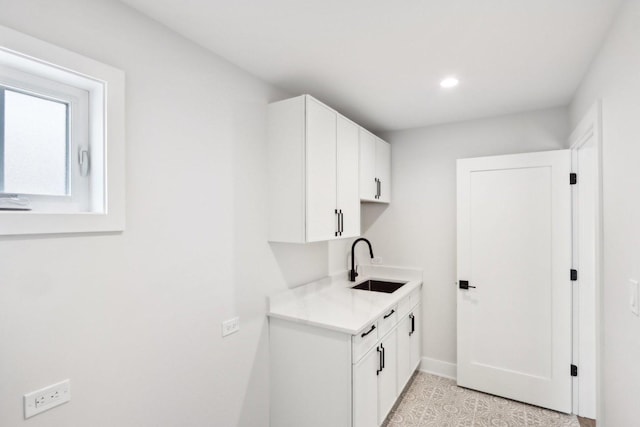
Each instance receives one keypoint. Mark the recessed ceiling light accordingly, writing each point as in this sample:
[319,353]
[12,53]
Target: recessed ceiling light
[449,82]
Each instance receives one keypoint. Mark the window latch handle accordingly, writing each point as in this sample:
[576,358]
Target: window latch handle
[83,161]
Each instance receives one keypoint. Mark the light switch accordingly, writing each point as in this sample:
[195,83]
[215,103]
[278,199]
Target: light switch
[633,297]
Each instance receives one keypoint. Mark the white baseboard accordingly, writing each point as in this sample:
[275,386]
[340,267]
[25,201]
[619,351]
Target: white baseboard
[438,367]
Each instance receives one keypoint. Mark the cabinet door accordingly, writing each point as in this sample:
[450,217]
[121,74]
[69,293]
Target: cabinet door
[387,380]
[383,169]
[416,339]
[365,389]
[348,177]
[368,186]
[405,339]
[321,172]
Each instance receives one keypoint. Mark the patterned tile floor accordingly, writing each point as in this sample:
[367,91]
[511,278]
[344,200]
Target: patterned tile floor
[434,401]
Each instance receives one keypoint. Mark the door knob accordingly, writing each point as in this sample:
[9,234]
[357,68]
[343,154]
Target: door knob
[464,284]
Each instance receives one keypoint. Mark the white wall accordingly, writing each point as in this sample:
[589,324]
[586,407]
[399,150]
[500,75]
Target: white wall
[418,228]
[133,319]
[614,78]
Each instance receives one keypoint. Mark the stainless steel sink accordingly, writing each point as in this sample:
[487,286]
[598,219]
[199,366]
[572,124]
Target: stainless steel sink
[379,286]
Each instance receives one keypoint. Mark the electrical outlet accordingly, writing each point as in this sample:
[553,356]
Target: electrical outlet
[633,297]
[230,326]
[46,398]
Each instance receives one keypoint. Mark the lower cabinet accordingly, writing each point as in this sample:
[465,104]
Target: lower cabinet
[381,374]
[322,378]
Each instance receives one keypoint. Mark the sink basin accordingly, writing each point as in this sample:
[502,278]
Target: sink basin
[379,286]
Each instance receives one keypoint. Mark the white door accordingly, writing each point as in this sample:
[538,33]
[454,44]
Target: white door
[321,172]
[348,178]
[383,169]
[368,185]
[365,389]
[387,380]
[514,248]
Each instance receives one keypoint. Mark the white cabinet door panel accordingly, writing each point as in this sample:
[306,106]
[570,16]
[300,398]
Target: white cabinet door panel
[348,177]
[387,380]
[365,389]
[404,352]
[368,186]
[416,350]
[321,172]
[383,169]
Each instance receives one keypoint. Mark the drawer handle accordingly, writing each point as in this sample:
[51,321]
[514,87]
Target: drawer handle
[389,313]
[364,334]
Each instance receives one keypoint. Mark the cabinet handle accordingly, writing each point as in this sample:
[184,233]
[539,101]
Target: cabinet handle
[389,313]
[413,324]
[383,356]
[379,361]
[379,189]
[340,222]
[337,233]
[364,334]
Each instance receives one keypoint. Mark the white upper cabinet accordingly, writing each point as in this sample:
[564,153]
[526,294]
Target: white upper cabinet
[375,168]
[313,172]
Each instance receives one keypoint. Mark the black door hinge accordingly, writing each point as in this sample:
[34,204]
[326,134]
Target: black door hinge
[574,371]
[573,178]
[574,275]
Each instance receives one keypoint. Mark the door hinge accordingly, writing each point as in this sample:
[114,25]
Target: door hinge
[574,275]
[574,371]
[573,178]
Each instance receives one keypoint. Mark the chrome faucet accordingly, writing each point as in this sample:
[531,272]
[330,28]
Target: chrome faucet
[353,273]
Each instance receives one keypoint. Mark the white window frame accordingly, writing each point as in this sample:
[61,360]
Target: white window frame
[103,208]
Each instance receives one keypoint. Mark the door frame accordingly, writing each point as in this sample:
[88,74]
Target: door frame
[587,386]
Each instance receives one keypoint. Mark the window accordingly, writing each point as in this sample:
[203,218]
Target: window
[58,170]
[45,149]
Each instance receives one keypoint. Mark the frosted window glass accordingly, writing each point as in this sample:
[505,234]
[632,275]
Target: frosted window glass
[35,145]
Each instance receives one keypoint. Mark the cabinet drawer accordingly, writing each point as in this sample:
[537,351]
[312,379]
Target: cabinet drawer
[365,340]
[415,297]
[408,302]
[387,321]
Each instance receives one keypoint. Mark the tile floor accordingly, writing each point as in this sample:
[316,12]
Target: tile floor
[433,401]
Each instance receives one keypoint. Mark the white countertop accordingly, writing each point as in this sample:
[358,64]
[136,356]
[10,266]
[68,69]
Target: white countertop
[331,303]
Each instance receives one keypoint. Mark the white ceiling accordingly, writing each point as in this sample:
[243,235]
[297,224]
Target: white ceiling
[379,62]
